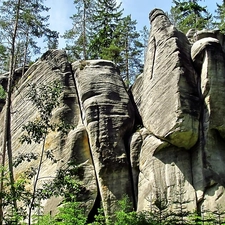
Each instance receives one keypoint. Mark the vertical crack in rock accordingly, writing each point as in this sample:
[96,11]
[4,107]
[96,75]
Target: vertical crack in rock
[73,72]
[152,52]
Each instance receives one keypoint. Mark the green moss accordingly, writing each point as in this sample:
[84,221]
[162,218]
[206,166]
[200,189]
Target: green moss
[2,93]
[83,63]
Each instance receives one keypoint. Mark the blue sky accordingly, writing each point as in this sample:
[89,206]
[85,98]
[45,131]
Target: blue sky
[61,10]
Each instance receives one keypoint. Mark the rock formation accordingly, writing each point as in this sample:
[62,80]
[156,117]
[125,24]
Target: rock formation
[163,138]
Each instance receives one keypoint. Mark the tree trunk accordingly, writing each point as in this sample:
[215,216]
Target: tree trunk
[6,143]
[84,30]
[31,206]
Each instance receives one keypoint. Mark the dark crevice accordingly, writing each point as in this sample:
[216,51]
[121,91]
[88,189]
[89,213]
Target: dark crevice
[94,211]
[138,120]
[126,139]
[78,97]
[127,149]
[201,138]
[153,58]
[137,125]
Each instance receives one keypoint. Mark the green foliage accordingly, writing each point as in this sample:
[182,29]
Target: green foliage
[4,59]
[46,99]
[66,183]
[130,58]
[10,214]
[100,218]
[71,213]
[100,31]
[113,53]
[189,14]
[105,19]
[78,38]
[31,24]
[220,17]
[126,215]
[2,93]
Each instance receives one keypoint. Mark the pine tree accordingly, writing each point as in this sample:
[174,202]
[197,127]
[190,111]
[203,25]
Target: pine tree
[220,17]
[32,24]
[78,37]
[4,59]
[144,40]
[106,19]
[6,142]
[189,14]
[131,49]
[20,21]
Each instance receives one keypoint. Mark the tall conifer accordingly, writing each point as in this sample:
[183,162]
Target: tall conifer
[78,37]
[189,14]
[107,16]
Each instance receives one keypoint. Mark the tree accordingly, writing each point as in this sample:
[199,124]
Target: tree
[180,212]
[144,40]
[6,143]
[189,14]
[52,39]
[220,17]
[106,18]
[19,21]
[78,37]
[45,98]
[131,63]
[32,24]
[4,59]
[126,49]
[100,31]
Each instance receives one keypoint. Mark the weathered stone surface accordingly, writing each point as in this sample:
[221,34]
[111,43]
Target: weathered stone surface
[135,146]
[208,57]
[169,78]
[163,140]
[209,155]
[77,149]
[53,65]
[211,33]
[108,115]
[168,102]
[165,173]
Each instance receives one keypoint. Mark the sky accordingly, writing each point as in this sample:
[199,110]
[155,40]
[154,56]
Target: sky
[61,10]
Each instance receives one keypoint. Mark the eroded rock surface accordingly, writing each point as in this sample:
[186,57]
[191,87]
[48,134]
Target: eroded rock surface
[180,98]
[209,60]
[53,65]
[163,140]
[108,115]
[167,97]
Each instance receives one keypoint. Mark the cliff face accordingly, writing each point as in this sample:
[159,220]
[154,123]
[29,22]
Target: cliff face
[178,105]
